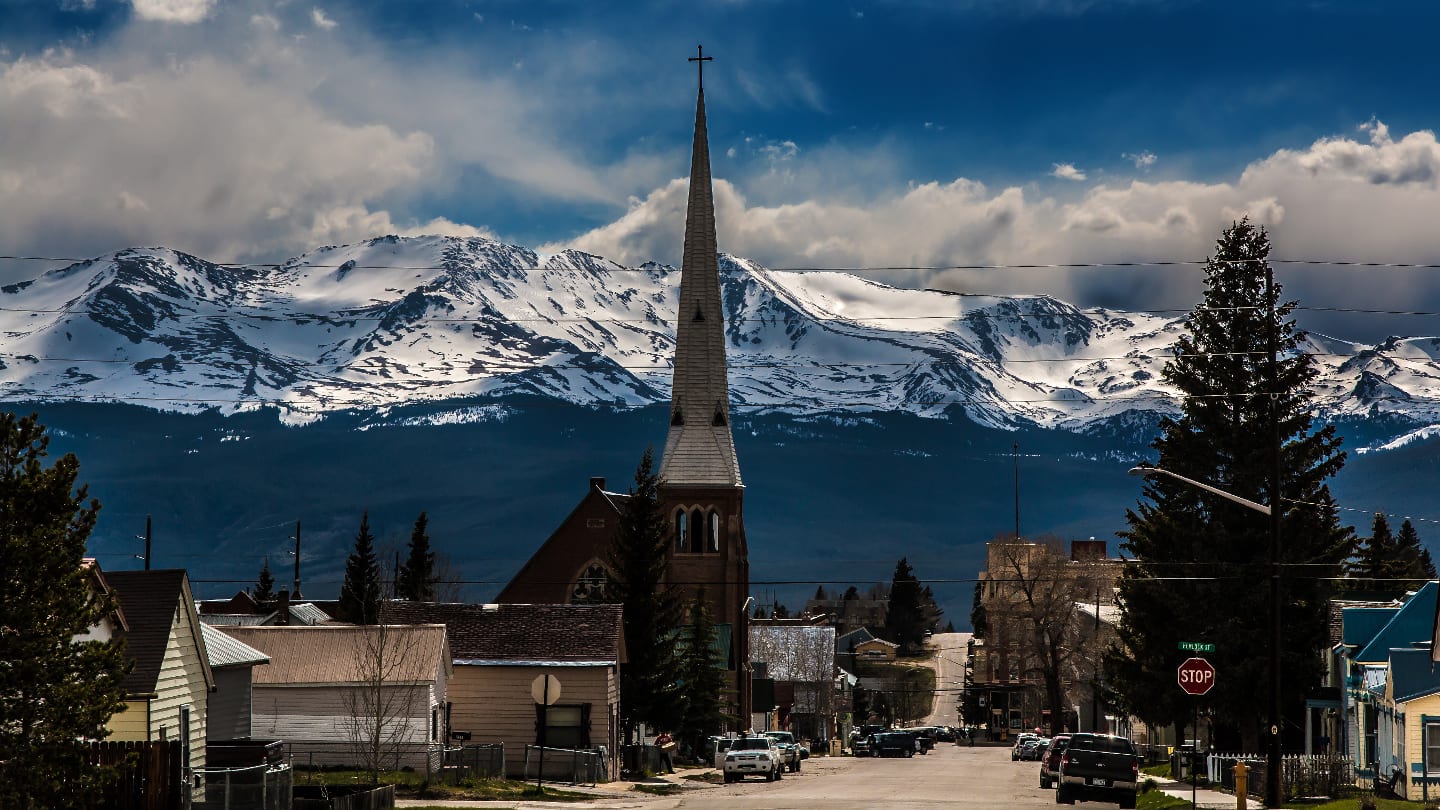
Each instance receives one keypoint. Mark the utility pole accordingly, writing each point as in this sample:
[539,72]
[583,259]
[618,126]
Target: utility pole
[147,542]
[1273,796]
[295,592]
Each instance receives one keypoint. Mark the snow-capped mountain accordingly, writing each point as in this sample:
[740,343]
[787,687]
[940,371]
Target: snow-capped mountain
[397,321]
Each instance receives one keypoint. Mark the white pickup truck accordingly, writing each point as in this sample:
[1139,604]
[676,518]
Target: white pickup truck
[752,756]
[789,749]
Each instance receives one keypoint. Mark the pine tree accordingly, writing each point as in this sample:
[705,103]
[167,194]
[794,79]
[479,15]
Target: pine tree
[978,621]
[820,594]
[360,593]
[780,612]
[416,580]
[264,585]
[1232,402]
[651,607]
[1371,563]
[905,615]
[54,691]
[702,677]
[1411,558]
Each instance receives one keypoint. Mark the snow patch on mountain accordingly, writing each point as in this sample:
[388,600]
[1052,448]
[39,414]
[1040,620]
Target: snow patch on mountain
[466,321]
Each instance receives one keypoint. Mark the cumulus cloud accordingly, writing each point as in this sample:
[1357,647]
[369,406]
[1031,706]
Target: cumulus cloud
[1340,198]
[1067,171]
[184,12]
[321,21]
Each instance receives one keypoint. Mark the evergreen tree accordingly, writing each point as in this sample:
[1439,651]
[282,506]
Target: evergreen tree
[780,612]
[54,690]
[702,677]
[820,594]
[905,615]
[978,621]
[648,691]
[851,593]
[949,627]
[265,585]
[1412,558]
[416,580]
[360,593]
[1232,402]
[1372,560]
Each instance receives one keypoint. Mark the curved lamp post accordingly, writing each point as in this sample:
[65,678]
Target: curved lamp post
[1272,758]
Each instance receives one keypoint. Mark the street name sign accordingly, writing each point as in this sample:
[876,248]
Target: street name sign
[1196,646]
[1196,676]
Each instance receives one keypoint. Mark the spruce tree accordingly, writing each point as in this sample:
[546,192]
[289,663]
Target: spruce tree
[264,585]
[905,615]
[1197,556]
[652,609]
[702,677]
[1371,562]
[978,622]
[54,690]
[360,593]
[416,580]
[1411,563]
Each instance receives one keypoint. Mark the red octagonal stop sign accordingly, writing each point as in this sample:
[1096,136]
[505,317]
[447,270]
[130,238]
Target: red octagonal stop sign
[1196,676]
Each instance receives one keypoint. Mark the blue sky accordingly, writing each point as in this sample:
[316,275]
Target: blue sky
[843,133]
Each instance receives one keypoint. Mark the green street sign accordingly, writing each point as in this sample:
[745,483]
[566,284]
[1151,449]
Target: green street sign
[1196,646]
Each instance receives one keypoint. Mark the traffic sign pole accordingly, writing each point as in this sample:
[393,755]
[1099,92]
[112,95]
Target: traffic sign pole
[1196,676]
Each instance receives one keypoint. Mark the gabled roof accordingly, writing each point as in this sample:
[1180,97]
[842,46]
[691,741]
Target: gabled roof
[573,634]
[224,651]
[1360,624]
[150,599]
[1414,621]
[337,654]
[97,578]
[1412,674]
[889,644]
[847,642]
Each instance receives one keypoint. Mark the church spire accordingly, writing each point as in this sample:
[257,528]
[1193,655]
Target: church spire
[700,449]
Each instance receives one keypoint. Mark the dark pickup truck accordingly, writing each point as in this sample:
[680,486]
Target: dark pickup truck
[1098,767]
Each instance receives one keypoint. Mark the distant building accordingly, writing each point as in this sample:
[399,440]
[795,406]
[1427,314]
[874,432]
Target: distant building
[854,613]
[800,659]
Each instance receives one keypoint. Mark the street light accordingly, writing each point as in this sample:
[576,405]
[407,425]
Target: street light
[1272,755]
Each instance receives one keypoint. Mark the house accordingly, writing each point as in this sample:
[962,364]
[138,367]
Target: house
[876,649]
[800,659]
[241,610]
[342,694]
[167,691]
[498,653]
[231,704]
[1381,727]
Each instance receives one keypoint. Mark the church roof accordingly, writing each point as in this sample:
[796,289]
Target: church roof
[516,634]
[700,448]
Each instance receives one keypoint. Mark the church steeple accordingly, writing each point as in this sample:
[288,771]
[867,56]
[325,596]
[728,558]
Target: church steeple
[700,449]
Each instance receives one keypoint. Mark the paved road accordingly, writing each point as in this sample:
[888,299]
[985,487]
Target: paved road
[950,652]
[966,778]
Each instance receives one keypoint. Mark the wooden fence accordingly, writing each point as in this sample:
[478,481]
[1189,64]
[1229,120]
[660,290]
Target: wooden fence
[151,775]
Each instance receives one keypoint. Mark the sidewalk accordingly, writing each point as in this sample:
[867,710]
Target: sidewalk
[617,795]
[1204,797]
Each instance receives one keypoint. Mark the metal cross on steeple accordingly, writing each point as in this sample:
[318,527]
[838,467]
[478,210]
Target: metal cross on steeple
[700,59]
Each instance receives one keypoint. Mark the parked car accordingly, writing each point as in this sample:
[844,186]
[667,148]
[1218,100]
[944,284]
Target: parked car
[859,744]
[719,745]
[893,743]
[804,751]
[1050,763]
[924,739]
[1098,767]
[1024,737]
[752,756]
[1033,750]
[944,734]
[789,750]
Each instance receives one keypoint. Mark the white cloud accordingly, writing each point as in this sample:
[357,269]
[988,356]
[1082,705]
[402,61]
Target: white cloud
[1067,171]
[1143,160]
[176,11]
[321,21]
[1337,199]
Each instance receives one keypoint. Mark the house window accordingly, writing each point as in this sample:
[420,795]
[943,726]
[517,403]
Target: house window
[713,535]
[564,725]
[682,533]
[1368,756]
[1432,747]
[697,525]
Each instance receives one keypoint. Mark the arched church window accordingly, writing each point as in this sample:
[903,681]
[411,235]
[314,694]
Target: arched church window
[592,586]
[697,523]
[713,534]
[682,533]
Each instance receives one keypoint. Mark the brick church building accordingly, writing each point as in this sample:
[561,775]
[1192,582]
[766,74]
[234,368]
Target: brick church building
[700,488]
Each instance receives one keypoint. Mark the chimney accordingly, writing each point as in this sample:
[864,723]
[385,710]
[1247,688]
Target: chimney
[597,482]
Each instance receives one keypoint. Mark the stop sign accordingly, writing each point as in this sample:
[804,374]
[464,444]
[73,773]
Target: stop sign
[1196,676]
